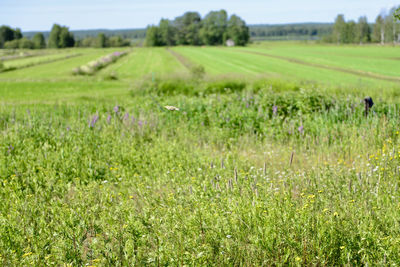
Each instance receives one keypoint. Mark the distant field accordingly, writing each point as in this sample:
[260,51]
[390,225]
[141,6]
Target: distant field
[330,65]
[335,66]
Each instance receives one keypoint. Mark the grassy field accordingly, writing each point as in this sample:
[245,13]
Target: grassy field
[268,161]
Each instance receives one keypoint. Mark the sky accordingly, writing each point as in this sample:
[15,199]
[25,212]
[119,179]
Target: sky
[39,15]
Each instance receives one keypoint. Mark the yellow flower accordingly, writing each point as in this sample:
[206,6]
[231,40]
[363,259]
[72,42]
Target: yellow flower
[335,214]
[298,259]
[27,254]
[341,247]
[131,197]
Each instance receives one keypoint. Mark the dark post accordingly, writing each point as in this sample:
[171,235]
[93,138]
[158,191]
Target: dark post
[368,105]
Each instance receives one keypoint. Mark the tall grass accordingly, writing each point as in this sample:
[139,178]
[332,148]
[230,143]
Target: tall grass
[245,173]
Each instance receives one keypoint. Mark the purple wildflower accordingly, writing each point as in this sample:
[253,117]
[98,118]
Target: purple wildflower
[140,123]
[10,148]
[274,110]
[116,109]
[68,128]
[126,116]
[108,118]
[301,129]
[93,121]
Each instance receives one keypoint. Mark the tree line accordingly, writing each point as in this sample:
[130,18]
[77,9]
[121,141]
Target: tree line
[386,29]
[190,29]
[297,30]
[59,37]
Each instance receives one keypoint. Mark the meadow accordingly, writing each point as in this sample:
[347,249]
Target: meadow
[266,159]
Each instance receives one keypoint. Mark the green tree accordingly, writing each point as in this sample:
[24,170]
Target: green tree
[66,38]
[17,34]
[349,35]
[54,37]
[25,43]
[187,29]
[101,40]
[167,32]
[118,41]
[38,41]
[214,28]
[153,37]
[363,31]
[14,44]
[238,31]
[6,34]
[378,34]
[339,29]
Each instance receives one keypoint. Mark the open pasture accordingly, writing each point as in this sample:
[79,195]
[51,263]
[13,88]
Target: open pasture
[269,160]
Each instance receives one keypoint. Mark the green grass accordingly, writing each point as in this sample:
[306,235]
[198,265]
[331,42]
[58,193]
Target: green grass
[241,61]
[56,70]
[146,62]
[267,161]
[37,59]
[368,58]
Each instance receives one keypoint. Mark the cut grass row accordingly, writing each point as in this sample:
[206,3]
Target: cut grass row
[56,70]
[370,59]
[219,61]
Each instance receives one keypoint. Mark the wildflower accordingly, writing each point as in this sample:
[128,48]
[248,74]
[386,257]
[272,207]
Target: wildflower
[126,116]
[335,214]
[108,118]
[27,254]
[116,109]
[301,129]
[93,121]
[341,247]
[298,259]
[172,108]
[274,110]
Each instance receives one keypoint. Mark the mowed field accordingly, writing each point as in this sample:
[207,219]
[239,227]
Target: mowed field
[366,67]
[245,156]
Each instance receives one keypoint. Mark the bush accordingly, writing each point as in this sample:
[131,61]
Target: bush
[198,72]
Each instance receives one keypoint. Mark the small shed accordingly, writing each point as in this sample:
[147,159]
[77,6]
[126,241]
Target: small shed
[230,43]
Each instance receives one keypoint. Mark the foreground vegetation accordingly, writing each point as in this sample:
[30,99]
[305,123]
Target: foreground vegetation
[250,170]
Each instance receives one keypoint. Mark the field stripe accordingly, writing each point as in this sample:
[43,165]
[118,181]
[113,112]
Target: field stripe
[40,63]
[182,59]
[349,71]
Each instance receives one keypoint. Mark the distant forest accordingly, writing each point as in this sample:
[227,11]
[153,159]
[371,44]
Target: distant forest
[214,29]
